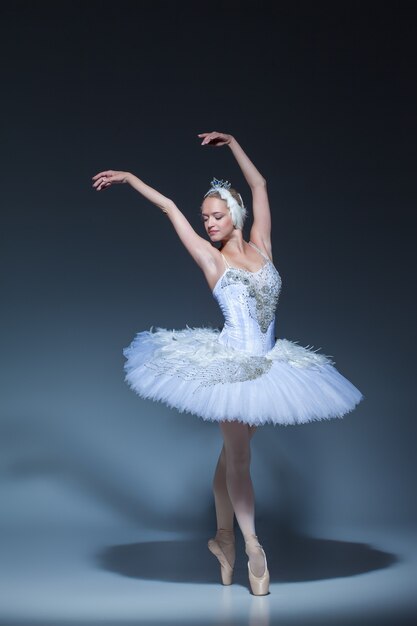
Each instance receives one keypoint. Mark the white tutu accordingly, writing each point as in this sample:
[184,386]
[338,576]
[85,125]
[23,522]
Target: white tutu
[241,373]
[192,371]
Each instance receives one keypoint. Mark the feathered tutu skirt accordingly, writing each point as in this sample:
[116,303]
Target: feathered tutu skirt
[191,370]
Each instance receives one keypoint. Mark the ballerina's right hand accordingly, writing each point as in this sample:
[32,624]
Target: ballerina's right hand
[215,139]
[107,178]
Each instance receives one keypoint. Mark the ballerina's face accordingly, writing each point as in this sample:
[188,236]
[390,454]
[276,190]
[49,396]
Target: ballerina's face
[216,218]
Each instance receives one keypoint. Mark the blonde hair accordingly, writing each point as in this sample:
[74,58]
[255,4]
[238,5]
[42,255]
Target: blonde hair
[239,215]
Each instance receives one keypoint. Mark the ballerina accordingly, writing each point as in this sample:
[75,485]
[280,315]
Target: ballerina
[242,376]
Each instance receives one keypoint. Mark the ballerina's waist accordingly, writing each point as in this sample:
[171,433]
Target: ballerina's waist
[255,344]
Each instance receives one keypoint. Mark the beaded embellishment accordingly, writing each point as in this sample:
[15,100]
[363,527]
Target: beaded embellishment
[220,372]
[264,291]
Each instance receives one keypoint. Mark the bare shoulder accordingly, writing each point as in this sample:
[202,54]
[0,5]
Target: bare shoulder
[259,242]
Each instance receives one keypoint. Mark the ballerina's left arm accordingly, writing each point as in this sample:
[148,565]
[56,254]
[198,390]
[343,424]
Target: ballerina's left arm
[260,233]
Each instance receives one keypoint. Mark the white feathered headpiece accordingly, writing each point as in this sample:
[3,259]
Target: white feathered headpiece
[237,211]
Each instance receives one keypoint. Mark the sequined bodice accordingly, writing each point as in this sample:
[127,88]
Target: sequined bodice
[248,301]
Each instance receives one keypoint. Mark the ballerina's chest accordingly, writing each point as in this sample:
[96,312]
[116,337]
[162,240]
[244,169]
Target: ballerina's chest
[244,295]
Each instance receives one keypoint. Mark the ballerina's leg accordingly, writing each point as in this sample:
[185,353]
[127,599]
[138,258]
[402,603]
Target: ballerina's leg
[236,436]
[224,507]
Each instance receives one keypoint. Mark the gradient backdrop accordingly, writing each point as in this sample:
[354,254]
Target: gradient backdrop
[321,96]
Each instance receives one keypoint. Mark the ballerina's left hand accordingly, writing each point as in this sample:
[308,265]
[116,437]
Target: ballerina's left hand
[109,177]
[215,139]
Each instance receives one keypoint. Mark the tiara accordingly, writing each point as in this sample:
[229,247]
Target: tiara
[219,184]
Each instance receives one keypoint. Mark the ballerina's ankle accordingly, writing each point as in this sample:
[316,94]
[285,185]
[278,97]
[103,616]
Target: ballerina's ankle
[225,535]
[252,540]
[253,548]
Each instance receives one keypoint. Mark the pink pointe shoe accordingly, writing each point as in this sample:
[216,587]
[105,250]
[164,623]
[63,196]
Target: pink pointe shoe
[259,584]
[223,547]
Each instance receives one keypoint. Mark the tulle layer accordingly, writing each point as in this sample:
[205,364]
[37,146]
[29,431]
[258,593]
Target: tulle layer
[192,371]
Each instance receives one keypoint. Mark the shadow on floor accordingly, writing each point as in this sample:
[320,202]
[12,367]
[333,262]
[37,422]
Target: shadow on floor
[291,558]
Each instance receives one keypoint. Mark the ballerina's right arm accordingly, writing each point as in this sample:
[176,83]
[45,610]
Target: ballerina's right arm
[200,249]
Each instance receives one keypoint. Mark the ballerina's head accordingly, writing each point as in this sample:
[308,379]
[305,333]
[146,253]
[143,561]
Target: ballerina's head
[222,210]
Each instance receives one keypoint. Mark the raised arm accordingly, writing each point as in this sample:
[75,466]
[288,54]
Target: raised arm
[199,248]
[260,232]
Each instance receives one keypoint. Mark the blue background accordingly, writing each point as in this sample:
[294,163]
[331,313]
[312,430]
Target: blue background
[322,98]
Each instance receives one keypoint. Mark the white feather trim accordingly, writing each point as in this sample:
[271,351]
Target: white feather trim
[189,369]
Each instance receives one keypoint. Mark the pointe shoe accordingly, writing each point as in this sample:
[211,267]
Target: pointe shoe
[259,584]
[224,537]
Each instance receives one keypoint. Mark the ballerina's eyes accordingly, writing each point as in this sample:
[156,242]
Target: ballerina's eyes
[216,217]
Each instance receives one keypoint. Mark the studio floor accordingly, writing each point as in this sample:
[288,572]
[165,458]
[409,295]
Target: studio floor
[79,575]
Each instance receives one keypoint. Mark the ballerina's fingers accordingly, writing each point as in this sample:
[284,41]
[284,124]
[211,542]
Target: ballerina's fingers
[101,183]
[208,137]
[204,135]
[104,174]
[102,180]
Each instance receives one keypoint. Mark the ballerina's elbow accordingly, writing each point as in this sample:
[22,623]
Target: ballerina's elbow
[261,182]
[168,207]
